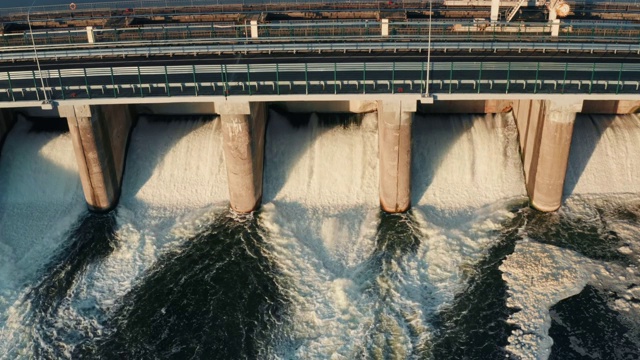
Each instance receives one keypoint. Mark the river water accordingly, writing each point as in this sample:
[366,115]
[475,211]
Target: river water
[319,272]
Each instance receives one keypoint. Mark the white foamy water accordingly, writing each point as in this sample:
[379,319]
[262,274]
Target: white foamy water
[174,179]
[322,212]
[605,156]
[320,166]
[465,161]
[603,173]
[40,198]
[540,275]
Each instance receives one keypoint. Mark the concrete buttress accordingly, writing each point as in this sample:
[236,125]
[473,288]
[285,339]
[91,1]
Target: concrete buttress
[100,135]
[243,132]
[394,151]
[546,128]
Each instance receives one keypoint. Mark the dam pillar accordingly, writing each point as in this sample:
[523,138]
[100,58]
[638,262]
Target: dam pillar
[243,132]
[394,153]
[100,135]
[545,128]
[6,122]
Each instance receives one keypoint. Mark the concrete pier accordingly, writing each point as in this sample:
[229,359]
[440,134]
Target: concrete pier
[394,152]
[545,128]
[243,132]
[6,122]
[100,135]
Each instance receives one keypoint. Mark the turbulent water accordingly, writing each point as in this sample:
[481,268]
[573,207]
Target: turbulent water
[471,272]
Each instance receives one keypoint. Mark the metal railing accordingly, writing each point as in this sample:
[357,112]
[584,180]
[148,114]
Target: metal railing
[338,31]
[322,79]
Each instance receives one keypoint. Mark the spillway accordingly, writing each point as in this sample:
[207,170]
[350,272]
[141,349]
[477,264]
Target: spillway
[320,272]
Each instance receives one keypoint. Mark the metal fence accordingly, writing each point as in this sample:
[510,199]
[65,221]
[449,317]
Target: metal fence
[336,31]
[321,78]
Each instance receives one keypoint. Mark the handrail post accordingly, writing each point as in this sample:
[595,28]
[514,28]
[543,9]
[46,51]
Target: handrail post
[278,78]
[508,77]
[10,86]
[86,82]
[166,81]
[140,82]
[113,83]
[61,86]
[535,85]
[564,78]
[195,82]
[619,78]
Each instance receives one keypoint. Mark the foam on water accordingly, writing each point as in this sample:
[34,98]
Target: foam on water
[40,198]
[352,294]
[540,275]
[602,179]
[174,180]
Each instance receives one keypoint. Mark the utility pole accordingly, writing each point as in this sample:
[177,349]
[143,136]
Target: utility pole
[46,104]
[426,91]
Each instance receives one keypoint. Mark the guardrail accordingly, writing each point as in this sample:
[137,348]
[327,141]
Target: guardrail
[191,48]
[321,78]
[330,31]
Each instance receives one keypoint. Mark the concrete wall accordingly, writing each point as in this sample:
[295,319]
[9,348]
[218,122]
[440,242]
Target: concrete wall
[394,152]
[100,135]
[617,107]
[545,129]
[347,106]
[6,123]
[243,131]
[467,106]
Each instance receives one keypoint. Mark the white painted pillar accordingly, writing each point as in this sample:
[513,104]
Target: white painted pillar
[495,9]
[384,27]
[554,21]
[254,29]
[90,35]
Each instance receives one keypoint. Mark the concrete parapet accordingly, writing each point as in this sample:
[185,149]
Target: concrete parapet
[243,132]
[545,129]
[6,123]
[617,107]
[394,134]
[100,135]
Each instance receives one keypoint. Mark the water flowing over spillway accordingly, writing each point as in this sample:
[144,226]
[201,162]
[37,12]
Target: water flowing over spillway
[320,272]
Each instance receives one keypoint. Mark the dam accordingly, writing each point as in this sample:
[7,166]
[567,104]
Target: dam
[322,190]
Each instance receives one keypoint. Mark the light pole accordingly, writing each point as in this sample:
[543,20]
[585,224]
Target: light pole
[426,91]
[46,104]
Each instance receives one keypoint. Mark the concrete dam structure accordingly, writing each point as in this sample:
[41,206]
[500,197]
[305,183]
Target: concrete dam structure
[550,63]
[100,134]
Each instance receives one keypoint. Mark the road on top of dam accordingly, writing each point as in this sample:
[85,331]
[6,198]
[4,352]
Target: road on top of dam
[330,57]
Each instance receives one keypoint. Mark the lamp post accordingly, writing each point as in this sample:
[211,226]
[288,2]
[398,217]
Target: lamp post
[426,91]
[46,104]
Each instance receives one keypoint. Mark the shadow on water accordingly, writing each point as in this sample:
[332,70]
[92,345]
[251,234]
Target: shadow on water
[298,144]
[92,239]
[587,131]
[475,326]
[215,297]
[584,326]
